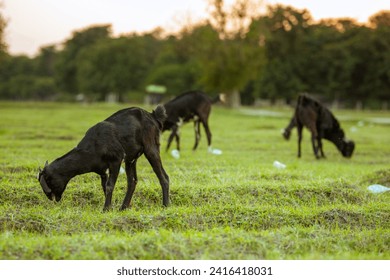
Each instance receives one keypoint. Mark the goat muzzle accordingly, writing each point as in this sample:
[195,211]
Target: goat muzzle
[43,183]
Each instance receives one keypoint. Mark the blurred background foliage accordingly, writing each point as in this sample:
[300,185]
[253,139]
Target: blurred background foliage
[240,50]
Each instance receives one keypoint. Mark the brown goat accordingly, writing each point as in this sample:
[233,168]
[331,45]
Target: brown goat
[322,124]
[191,105]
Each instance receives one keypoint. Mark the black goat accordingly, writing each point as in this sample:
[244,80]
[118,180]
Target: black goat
[191,105]
[125,135]
[321,123]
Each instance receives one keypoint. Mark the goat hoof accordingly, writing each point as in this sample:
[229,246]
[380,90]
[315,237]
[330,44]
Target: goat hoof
[123,208]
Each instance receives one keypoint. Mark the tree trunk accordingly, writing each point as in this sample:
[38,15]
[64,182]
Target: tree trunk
[234,99]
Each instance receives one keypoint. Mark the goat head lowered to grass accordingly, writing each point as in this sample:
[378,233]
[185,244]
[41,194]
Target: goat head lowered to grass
[125,135]
[322,125]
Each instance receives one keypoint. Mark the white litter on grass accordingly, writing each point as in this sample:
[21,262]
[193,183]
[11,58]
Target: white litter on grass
[353,129]
[122,170]
[175,153]
[214,151]
[378,188]
[279,165]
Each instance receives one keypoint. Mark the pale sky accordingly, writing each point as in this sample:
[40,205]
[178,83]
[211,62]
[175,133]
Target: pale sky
[36,23]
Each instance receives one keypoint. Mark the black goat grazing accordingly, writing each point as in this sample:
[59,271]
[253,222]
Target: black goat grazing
[321,123]
[125,135]
[191,105]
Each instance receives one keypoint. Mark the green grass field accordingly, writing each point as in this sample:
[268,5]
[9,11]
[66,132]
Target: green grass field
[233,206]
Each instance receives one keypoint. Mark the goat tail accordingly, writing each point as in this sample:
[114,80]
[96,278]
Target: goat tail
[220,98]
[160,115]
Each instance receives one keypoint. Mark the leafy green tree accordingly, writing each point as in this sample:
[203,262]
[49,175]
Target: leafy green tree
[45,61]
[25,78]
[11,67]
[66,66]
[177,66]
[235,51]
[21,80]
[4,57]
[173,76]
[3,45]
[29,87]
[379,69]
[284,29]
[229,61]
[116,65]
[348,63]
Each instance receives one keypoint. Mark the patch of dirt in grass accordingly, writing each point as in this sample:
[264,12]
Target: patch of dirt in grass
[14,169]
[341,218]
[31,136]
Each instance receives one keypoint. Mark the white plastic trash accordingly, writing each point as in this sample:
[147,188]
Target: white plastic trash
[279,165]
[214,151]
[175,153]
[122,170]
[378,188]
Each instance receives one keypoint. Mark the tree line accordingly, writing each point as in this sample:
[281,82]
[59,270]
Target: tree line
[239,51]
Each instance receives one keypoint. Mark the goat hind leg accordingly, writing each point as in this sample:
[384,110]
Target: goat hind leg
[197,134]
[177,137]
[113,176]
[153,156]
[103,179]
[314,140]
[320,147]
[208,133]
[131,173]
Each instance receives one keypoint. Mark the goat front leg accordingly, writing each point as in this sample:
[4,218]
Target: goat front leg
[131,173]
[208,132]
[113,176]
[320,146]
[177,137]
[153,156]
[174,134]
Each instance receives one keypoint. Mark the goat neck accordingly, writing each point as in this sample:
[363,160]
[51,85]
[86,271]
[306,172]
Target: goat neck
[71,164]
